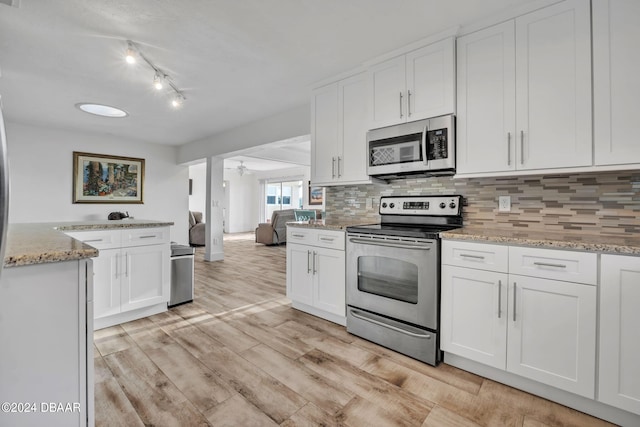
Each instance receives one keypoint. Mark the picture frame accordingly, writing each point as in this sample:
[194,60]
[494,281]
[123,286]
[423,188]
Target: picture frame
[102,178]
[316,195]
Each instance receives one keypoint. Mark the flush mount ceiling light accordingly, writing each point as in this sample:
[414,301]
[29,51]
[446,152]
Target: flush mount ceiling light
[161,79]
[102,110]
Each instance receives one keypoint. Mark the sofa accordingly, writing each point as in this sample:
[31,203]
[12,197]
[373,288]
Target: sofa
[275,232]
[196,229]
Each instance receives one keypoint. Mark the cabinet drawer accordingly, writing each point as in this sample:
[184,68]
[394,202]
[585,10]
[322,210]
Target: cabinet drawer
[299,235]
[145,236]
[578,267]
[102,239]
[481,256]
[318,237]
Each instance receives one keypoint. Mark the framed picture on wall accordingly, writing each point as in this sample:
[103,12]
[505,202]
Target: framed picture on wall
[316,195]
[99,178]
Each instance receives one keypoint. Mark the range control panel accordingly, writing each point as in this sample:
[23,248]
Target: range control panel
[421,205]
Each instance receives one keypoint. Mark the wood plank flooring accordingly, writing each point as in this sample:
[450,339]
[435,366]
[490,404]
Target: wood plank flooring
[239,355]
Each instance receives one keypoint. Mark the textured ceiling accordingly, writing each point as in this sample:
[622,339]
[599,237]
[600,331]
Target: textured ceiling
[237,61]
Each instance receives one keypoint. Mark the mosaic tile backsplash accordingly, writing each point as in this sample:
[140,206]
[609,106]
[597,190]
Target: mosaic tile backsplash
[594,203]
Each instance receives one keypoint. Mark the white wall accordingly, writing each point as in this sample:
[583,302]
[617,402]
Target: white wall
[41,169]
[198,197]
[243,193]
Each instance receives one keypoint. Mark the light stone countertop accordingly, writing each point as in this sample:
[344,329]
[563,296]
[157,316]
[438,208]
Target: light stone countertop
[326,224]
[627,245]
[39,243]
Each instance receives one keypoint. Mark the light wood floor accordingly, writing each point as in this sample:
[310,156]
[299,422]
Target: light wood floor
[241,356]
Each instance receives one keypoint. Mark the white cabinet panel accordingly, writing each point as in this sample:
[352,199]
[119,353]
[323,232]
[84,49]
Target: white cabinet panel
[552,330]
[330,288]
[387,92]
[616,67]
[474,314]
[620,332]
[579,267]
[145,279]
[324,133]
[476,255]
[553,86]
[106,283]
[299,273]
[486,100]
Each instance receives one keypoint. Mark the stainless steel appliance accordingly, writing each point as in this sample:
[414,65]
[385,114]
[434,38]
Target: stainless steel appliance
[424,148]
[181,274]
[393,274]
[4,188]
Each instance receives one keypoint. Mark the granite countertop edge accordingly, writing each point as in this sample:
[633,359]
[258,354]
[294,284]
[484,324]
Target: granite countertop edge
[325,225]
[41,243]
[582,242]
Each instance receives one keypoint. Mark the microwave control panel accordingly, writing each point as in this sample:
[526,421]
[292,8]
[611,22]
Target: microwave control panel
[437,144]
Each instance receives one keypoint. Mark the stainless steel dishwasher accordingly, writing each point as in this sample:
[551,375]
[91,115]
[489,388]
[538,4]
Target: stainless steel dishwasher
[181,274]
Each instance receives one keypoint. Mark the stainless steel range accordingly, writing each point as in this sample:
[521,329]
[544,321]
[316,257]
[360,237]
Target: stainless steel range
[393,274]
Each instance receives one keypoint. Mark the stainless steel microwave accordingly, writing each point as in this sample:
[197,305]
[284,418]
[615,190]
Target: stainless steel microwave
[424,148]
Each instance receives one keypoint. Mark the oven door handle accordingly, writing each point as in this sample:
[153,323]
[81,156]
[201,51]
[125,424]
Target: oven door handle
[355,314]
[405,245]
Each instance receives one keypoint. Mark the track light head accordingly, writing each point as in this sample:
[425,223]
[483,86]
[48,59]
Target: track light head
[130,55]
[177,100]
[158,81]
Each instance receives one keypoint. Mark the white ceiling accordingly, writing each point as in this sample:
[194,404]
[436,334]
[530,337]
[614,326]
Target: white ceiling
[236,60]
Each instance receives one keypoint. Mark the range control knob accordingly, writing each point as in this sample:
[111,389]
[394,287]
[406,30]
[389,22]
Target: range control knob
[443,205]
[452,205]
[392,205]
[384,204]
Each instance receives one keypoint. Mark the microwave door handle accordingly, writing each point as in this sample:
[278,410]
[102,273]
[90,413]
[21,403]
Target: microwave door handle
[424,145]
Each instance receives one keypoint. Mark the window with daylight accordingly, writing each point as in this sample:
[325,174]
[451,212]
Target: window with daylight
[283,195]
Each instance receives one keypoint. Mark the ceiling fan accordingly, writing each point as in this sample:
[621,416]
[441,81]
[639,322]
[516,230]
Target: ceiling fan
[241,168]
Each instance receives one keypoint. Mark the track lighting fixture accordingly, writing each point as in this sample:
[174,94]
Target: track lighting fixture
[160,78]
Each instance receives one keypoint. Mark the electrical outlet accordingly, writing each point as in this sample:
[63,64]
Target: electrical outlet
[504,204]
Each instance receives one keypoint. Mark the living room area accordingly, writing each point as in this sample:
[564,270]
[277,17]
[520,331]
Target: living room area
[264,188]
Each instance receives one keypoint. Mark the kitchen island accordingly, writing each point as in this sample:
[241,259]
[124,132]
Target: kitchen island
[46,320]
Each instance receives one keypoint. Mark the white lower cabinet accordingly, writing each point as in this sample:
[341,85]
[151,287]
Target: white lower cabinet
[535,327]
[619,378]
[316,272]
[132,273]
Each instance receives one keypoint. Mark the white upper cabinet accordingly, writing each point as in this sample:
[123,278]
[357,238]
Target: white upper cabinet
[524,93]
[486,100]
[338,133]
[616,67]
[415,86]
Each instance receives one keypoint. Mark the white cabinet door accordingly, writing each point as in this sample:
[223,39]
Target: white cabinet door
[324,133]
[474,314]
[620,332]
[145,277]
[300,273]
[431,80]
[352,116]
[616,67]
[553,87]
[329,270]
[552,333]
[106,283]
[486,100]
[387,84]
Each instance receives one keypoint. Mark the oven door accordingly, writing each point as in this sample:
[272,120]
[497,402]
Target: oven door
[395,277]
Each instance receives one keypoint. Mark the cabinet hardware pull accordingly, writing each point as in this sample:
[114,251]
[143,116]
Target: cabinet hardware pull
[548,264]
[314,262]
[508,148]
[471,256]
[147,237]
[333,167]
[499,299]
[126,265]
[362,316]
[514,301]
[327,239]
[308,262]
[117,264]
[297,235]
[339,174]
[408,103]
[522,147]
[401,105]
[92,240]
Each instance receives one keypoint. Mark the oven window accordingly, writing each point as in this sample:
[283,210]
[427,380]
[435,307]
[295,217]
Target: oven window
[388,277]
